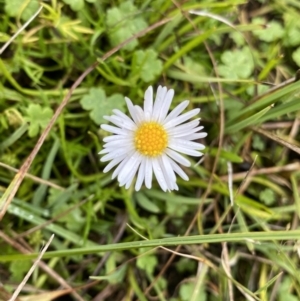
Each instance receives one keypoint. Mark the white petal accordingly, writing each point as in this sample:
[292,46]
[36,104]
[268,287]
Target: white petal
[119,143]
[141,175]
[134,159]
[176,111]
[121,165]
[191,131]
[115,138]
[127,180]
[103,151]
[160,95]
[116,153]
[166,162]
[186,143]
[114,162]
[122,115]
[179,170]
[120,122]
[177,157]
[176,187]
[195,136]
[148,173]
[140,114]
[168,171]
[131,110]
[115,130]
[166,105]
[159,174]
[117,150]
[184,128]
[148,103]
[186,150]
[182,118]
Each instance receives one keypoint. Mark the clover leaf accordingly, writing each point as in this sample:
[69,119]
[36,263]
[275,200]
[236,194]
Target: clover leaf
[19,268]
[14,7]
[272,32]
[124,22]
[146,64]
[267,196]
[187,290]
[99,105]
[236,64]
[38,118]
[292,30]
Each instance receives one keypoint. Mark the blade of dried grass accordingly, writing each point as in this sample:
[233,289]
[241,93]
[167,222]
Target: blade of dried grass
[20,30]
[19,288]
[277,139]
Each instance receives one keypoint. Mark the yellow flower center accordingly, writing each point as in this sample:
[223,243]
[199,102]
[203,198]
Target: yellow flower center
[151,139]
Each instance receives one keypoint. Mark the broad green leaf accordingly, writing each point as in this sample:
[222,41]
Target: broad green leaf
[156,228]
[257,90]
[38,118]
[194,66]
[292,30]
[100,105]
[28,8]
[293,37]
[114,274]
[145,203]
[267,196]
[146,64]
[185,265]
[124,22]
[147,263]
[187,289]
[19,269]
[236,64]
[238,38]
[270,32]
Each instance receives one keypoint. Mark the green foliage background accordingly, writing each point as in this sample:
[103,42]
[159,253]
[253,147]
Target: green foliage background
[234,59]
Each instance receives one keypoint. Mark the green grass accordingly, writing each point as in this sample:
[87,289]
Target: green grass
[74,63]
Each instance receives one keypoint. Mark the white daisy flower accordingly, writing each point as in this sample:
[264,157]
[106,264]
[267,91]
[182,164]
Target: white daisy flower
[151,140]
